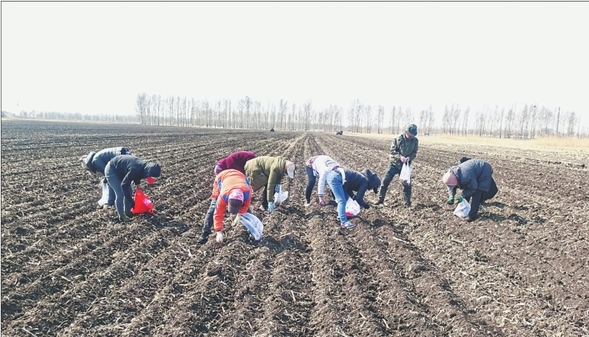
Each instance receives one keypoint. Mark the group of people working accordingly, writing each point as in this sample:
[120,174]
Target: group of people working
[241,174]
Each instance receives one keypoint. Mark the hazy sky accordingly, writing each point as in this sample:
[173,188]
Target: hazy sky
[96,57]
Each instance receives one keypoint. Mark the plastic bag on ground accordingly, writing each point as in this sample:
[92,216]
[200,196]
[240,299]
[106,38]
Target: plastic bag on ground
[142,203]
[253,225]
[405,175]
[352,207]
[462,209]
[105,194]
[279,195]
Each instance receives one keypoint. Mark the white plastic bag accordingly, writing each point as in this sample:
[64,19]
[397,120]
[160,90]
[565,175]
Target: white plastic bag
[253,225]
[105,189]
[462,209]
[279,195]
[352,207]
[405,175]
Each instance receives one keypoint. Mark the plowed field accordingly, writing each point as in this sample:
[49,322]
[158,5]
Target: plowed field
[70,268]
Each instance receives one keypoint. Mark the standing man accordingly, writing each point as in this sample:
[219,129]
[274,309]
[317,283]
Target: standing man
[403,150]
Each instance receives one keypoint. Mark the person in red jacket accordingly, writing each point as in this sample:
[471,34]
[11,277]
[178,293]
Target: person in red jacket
[235,161]
[231,190]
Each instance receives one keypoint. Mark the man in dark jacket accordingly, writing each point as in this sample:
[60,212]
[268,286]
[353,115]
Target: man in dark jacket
[120,172]
[403,150]
[474,177]
[95,162]
[486,195]
[360,182]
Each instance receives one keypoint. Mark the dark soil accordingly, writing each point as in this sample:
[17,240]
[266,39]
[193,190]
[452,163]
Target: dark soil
[70,268]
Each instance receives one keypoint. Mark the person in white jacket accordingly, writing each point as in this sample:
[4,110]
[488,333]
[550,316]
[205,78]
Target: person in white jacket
[330,172]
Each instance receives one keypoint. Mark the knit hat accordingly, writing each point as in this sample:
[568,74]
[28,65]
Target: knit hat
[290,169]
[411,130]
[235,200]
[450,179]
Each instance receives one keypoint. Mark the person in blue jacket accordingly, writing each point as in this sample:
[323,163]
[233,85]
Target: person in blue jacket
[475,178]
[360,182]
[120,172]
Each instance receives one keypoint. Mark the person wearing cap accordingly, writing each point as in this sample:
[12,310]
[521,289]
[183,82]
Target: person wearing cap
[486,195]
[475,178]
[360,182]
[267,172]
[403,150]
[232,191]
[95,162]
[328,170]
[235,161]
[120,172]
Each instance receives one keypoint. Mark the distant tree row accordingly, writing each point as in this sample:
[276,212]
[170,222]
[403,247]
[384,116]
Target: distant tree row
[529,122]
[73,116]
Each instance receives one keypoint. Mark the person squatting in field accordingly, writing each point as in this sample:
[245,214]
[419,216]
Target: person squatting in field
[235,161]
[475,178]
[231,189]
[327,170]
[120,172]
[360,182]
[95,162]
[267,172]
[403,150]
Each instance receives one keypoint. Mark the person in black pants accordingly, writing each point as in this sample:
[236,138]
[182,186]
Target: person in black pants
[475,178]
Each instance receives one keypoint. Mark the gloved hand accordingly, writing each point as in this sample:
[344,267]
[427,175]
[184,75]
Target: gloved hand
[307,203]
[460,198]
[219,237]
[404,159]
[271,206]
[321,201]
[450,200]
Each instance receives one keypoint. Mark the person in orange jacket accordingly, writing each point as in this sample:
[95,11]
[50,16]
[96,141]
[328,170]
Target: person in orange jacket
[231,190]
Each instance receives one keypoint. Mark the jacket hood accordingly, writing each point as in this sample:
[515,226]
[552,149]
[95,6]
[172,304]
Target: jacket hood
[373,180]
[152,170]
[87,159]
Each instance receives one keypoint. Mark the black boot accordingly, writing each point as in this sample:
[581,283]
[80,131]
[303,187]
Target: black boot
[204,237]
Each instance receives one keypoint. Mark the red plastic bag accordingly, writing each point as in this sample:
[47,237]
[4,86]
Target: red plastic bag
[142,203]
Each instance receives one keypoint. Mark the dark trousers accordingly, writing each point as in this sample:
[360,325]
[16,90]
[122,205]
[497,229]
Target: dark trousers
[310,183]
[480,196]
[390,173]
[492,191]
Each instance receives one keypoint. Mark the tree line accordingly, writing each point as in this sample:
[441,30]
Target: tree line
[527,121]
[530,121]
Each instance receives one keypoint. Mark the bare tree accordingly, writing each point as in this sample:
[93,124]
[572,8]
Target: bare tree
[379,119]
[572,120]
[307,111]
[368,118]
[464,130]
[141,108]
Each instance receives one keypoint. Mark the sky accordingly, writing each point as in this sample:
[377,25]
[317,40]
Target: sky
[96,57]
